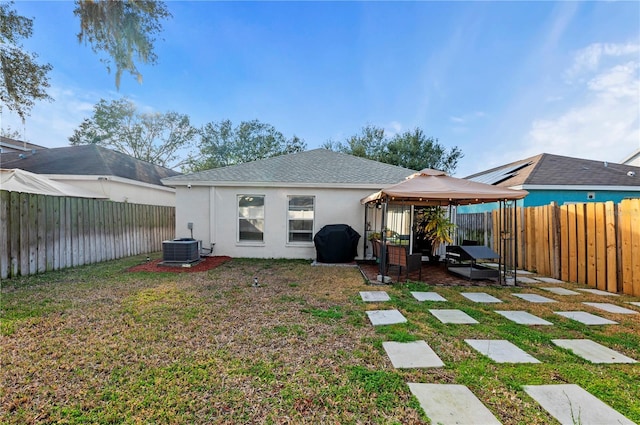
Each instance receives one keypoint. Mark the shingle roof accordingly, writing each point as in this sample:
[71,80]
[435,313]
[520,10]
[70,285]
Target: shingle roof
[548,169]
[318,166]
[86,160]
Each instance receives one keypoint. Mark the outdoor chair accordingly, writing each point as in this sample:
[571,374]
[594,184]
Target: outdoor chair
[376,245]
[400,258]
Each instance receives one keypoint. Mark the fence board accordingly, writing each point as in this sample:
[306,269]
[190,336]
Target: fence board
[55,255]
[5,227]
[601,247]
[631,209]
[564,243]
[581,243]
[32,216]
[626,247]
[611,247]
[590,233]
[49,220]
[14,233]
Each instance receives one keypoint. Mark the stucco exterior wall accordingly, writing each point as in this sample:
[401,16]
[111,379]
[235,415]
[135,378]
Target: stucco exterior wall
[214,214]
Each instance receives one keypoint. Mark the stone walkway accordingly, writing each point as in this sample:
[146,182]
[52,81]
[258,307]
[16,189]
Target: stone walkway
[456,404]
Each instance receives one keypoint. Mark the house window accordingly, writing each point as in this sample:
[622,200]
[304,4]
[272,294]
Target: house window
[250,218]
[300,218]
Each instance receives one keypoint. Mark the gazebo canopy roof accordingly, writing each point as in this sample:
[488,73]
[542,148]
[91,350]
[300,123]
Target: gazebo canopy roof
[434,187]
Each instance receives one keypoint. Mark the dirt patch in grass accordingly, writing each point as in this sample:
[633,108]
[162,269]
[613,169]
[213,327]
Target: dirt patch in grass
[205,263]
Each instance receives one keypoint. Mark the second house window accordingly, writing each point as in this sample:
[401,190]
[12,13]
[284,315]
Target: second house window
[300,218]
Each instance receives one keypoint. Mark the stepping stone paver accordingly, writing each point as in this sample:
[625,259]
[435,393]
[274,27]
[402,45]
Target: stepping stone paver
[636,303]
[611,308]
[549,279]
[415,354]
[428,296]
[561,291]
[535,298]
[599,292]
[451,404]
[571,404]
[501,351]
[524,279]
[480,297]
[453,316]
[385,317]
[585,318]
[374,296]
[518,271]
[523,318]
[592,351]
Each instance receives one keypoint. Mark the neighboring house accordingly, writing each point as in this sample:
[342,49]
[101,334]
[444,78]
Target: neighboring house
[13,145]
[632,159]
[115,175]
[562,179]
[272,208]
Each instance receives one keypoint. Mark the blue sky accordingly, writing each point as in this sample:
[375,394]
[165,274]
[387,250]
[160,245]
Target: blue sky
[500,80]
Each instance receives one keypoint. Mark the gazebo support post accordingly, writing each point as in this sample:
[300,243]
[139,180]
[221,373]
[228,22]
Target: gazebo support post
[383,248]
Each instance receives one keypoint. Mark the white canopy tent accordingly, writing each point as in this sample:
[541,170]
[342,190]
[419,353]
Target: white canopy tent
[17,180]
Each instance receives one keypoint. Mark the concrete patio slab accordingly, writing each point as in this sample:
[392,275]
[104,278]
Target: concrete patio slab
[480,297]
[501,351]
[453,316]
[549,279]
[585,318]
[524,279]
[374,296]
[385,317]
[599,292]
[415,354]
[561,291]
[451,404]
[592,351]
[611,308]
[535,298]
[571,404]
[428,296]
[523,318]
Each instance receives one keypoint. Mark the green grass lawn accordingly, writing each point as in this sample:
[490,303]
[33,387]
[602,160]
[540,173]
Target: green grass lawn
[99,344]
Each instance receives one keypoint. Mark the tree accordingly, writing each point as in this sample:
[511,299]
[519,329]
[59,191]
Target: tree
[23,79]
[411,149]
[124,30]
[370,144]
[158,138]
[221,144]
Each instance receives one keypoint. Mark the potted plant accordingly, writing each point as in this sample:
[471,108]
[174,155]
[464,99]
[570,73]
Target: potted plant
[433,228]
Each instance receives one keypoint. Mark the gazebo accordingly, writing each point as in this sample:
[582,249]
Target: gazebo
[435,188]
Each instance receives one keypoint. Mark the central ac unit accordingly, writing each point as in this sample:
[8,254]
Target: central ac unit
[181,251]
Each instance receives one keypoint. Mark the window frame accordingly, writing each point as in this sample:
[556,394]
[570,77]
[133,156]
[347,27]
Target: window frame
[289,219]
[239,197]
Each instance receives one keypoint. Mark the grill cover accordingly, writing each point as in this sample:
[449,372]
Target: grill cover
[336,243]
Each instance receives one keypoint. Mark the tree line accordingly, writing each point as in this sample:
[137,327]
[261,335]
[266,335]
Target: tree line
[170,140]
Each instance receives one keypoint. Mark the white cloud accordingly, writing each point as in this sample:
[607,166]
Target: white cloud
[51,123]
[605,122]
[590,58]
[393,128]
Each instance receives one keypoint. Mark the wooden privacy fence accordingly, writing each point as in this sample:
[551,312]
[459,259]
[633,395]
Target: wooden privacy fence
[596,244]
[40,233]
